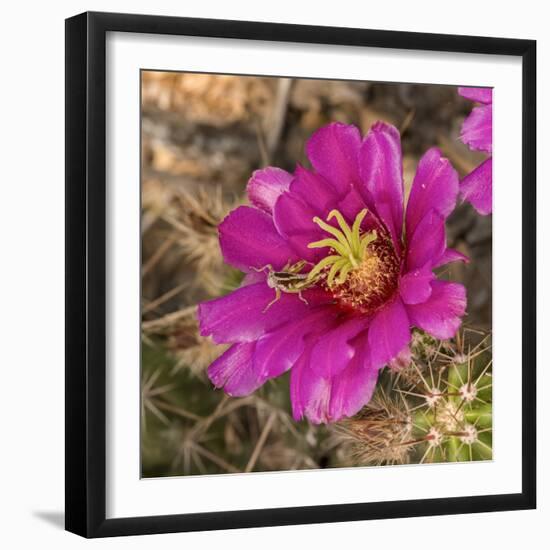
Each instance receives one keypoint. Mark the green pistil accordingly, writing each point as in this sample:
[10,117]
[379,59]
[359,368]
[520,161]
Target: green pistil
[349,247]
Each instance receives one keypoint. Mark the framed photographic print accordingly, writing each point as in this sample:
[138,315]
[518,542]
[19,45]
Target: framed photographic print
[300,274]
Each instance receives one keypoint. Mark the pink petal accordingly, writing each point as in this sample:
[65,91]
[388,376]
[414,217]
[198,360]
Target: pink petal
[415,286]
[309,392]
[293,215]
[451,255]
[403,359]
[299,243]
[352,388]
[381,168]
[384,211]
[477,187]
[351,205]
[480,95]
[389,332]
[333,351]
[309,196]
[435,187]
[304,382]
[441,315]
[293,218]
[325,399]
[477,129]
[277,352]
[248,239]
[233,370]
[315,190]
[266,185]
[240,316]
[332,151]
[427,243]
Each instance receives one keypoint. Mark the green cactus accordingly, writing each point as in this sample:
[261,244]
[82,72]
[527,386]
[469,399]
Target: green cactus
[438,408]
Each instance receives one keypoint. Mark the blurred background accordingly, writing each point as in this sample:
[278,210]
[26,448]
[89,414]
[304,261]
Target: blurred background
[202,137]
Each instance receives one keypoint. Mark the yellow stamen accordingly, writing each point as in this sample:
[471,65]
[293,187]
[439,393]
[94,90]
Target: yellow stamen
[342,223]
[336,267]
[350,246]
[332,230]
[325,262]
[357,227]
[331,243]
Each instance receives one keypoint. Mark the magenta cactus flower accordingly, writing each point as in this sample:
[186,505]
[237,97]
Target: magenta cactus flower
[337,273]
[477,133]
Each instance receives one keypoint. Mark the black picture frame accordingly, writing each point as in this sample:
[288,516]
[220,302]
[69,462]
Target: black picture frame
[86,274]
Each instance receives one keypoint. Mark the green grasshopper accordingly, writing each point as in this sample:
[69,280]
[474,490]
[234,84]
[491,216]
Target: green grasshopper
[289,279]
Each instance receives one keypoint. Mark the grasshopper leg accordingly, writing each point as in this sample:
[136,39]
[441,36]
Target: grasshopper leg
[302,298]
[259,270]
[277,297]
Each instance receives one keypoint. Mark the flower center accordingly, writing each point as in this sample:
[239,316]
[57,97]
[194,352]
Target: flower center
[362,269]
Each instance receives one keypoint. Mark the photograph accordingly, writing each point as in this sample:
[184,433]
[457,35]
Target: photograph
[285,305]
[316,274]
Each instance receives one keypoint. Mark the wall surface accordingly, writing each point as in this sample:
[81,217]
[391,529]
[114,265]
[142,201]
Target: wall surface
[31,289]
